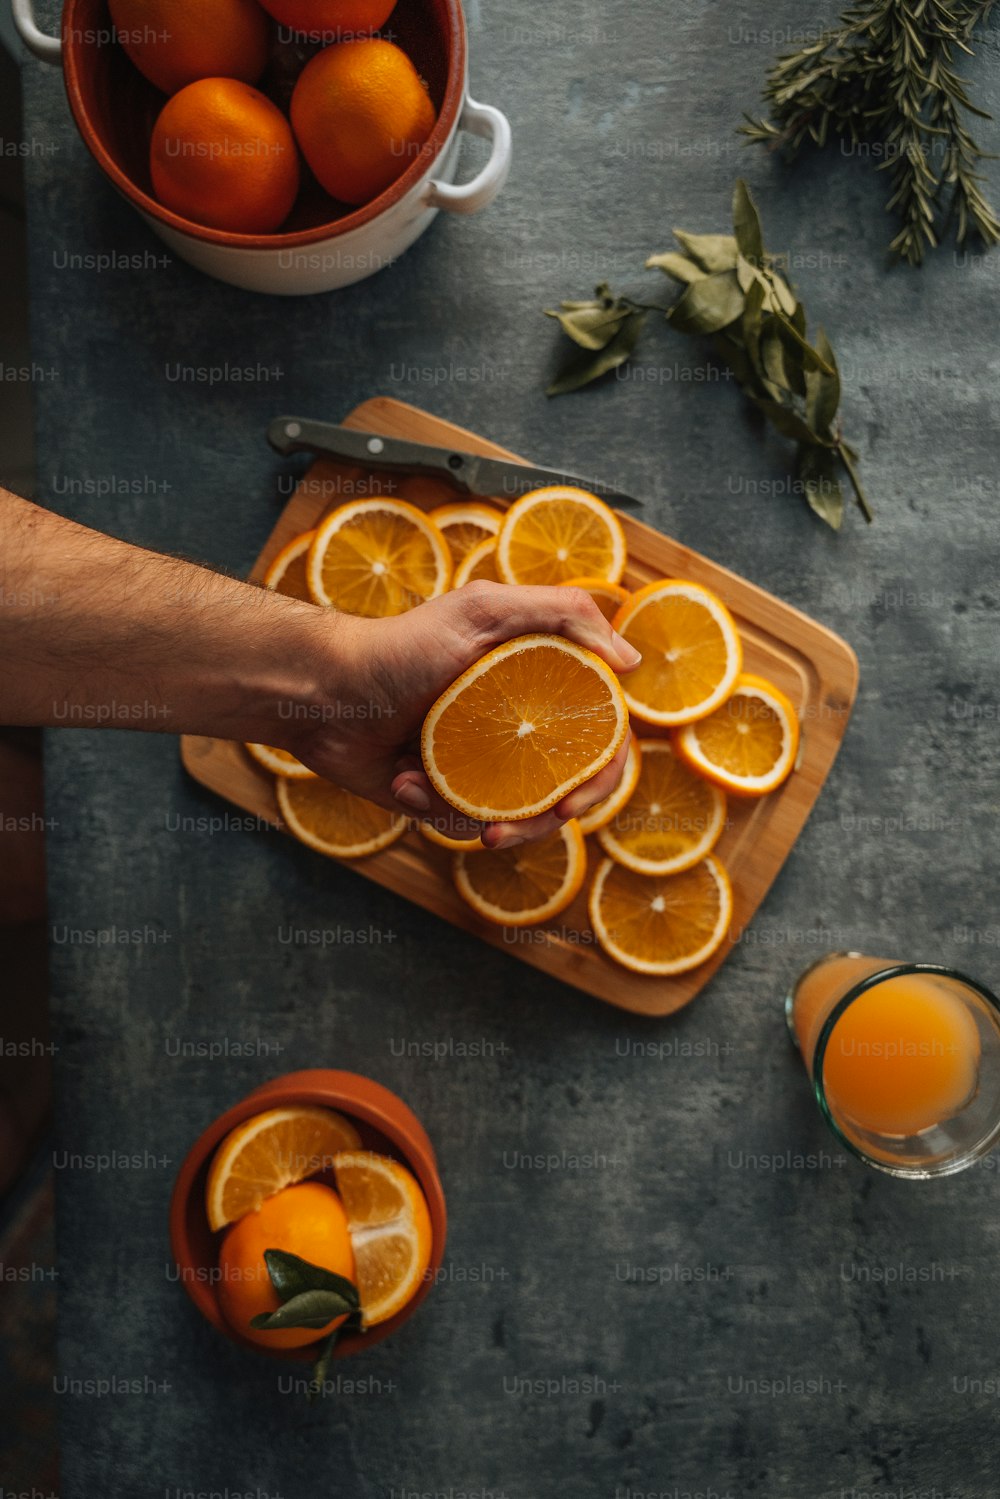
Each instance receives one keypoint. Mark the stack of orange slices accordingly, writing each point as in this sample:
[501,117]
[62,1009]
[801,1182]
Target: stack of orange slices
[511,738]
[466,526]
[269,1187]
[539,716]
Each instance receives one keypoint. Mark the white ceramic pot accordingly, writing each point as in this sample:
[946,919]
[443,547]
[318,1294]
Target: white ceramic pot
[317,256]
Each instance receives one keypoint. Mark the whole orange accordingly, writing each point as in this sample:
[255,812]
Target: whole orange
[330,20]
[361,115]
[173,42]
[307,1220]
[224,156]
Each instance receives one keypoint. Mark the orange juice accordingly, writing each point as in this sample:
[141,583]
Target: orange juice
[903,1057]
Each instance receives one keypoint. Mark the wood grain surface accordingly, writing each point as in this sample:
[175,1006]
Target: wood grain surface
[816,669]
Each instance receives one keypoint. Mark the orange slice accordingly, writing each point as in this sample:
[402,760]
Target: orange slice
[603,811]
[481,562]
[269,1152]
[554,534]
[377,557]
[465,524]
[280,762]
[390,1228]
[691,651]
[521,728]
[286,572]
[529,883]
[748,745]
[609,597]
[661,924]
[673,818]
[445,840]
[334,821]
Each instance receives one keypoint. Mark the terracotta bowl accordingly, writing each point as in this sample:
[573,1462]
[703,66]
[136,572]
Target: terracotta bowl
[384,1123]
[324,243]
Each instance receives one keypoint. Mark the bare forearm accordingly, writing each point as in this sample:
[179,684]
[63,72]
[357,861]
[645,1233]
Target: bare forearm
[94,631]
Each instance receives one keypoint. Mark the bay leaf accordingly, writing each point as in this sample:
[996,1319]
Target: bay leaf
[713,252]
[772,355]
[817,469]
[746,273]
[589,365]
[823,391]
[732,353]
[591,327]
[708,305]
[750,325]
[794,356]
[786,297]
[746,225]
[811,358]
[788,422]
[679,267]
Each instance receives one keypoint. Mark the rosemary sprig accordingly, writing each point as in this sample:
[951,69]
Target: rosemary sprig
[884,81]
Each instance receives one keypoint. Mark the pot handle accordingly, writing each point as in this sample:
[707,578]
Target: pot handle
[470,197]
[48,48]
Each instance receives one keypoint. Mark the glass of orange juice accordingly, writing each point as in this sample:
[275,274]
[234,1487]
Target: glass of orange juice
[904,1060]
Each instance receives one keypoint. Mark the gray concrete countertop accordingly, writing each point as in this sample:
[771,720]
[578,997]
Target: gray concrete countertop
[714,1299]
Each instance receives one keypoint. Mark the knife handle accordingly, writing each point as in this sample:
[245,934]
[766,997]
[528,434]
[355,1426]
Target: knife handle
[296,434]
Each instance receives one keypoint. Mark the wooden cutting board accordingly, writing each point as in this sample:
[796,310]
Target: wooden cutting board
[815,668]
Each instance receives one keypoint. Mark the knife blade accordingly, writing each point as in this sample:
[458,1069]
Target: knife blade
[469,473]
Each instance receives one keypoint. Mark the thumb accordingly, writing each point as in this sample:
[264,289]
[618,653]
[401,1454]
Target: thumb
[492,613]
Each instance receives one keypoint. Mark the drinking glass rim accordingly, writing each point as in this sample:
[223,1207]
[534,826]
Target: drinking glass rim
[896,970]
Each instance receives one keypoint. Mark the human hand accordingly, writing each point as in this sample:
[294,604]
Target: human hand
[386,673]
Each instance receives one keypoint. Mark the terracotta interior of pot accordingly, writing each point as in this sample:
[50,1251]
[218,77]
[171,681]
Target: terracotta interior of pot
[120,106]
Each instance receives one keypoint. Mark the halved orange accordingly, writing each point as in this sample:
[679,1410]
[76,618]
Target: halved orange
[529,883]
[481,562]
[377,557]
[673,818]
[464,524]
[269,1152]
[661,924]
[334,821]
[280,762]
[517,731]
[748,745]
[390,1228]
[691,651]
[286,571]
[446,840]
[609,597]
[603,811]
[554,534]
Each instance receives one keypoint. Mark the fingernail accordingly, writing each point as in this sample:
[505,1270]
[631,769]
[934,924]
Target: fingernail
[628,653]
[414,797]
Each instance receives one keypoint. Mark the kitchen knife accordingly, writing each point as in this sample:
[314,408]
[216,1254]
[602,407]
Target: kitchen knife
[467,472]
